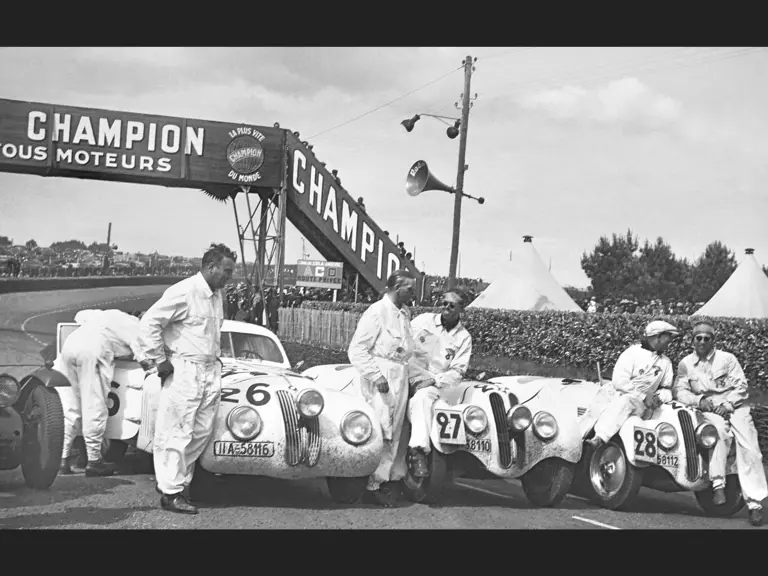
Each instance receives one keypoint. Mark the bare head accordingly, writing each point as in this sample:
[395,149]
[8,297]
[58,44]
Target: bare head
[453,304]
[703,338]
[400,287]
[218,266]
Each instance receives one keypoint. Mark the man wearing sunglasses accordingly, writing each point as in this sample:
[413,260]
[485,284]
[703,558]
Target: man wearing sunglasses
[442,350]
[641,381]
[712,381]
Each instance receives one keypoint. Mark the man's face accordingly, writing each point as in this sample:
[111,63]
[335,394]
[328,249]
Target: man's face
[660,342]
[451,304]
[703,340]
[404,293]
[221,273]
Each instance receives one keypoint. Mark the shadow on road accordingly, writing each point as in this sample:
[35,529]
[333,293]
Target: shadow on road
[64,488]
[88,515]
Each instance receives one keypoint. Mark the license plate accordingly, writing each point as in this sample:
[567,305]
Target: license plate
[244,449]
[668,461]
[477,445]
[646,448]
[450,427]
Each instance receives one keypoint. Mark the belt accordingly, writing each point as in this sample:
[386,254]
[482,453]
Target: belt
[396,361]
[194,358]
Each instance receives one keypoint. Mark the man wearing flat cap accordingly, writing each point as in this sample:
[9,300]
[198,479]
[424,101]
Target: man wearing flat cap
[641,382]
[712,381]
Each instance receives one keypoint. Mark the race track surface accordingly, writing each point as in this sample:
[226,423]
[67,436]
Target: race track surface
[128,500]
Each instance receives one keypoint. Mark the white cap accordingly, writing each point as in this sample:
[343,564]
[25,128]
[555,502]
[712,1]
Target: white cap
[659,327]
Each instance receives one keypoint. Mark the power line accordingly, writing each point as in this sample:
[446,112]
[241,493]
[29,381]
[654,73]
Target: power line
[387,104]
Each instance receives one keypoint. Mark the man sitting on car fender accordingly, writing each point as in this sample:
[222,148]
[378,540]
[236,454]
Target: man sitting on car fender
[642,379]
[442,350]
[712,381]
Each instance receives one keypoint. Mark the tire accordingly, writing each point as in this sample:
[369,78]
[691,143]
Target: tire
[204,485]
[548,482]
[427,490]
[734,501]
[113,450]
[625,479]
[43,439]
[346,490]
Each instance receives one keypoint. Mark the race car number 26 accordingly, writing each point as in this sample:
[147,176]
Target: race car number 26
[255,395]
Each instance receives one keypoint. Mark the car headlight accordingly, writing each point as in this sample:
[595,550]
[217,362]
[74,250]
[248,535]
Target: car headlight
[667,435]
[244,423]
[9,390]
[476,419]
[356,428]
[706,435]
[310,403]
[545,426]
[519,418]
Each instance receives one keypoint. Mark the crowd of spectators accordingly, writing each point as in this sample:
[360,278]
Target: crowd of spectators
[653,307]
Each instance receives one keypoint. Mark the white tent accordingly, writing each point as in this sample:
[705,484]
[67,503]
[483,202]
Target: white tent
[744,294]
[526,284]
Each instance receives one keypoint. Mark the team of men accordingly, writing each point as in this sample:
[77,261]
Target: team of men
[402,363]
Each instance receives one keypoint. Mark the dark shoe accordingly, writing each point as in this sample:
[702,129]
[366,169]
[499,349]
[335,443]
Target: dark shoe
[756,517]
[381,497]
[718,499]
[65,467]
[98,468]
[177,503]
[418,464]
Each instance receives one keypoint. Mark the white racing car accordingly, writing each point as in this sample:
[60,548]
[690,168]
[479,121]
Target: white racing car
[271,422]
[669,452]
[508,427]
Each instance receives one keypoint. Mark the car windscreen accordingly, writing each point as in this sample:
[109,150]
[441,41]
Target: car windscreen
[250,347]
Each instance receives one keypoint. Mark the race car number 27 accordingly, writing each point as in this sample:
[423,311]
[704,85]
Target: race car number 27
[450,427]
[255,395]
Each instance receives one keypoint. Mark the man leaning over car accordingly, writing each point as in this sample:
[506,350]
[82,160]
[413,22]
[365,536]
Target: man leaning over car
[712,381]
[442,350]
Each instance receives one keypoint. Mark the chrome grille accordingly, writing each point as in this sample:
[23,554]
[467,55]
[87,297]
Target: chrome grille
[302,437]
[689,439]
[502,432]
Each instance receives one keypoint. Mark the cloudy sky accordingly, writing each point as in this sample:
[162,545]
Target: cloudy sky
[565,144]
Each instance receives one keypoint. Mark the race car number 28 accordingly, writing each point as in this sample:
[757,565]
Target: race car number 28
[645,445]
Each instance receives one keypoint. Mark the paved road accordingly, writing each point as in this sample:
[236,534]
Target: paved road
[128,500]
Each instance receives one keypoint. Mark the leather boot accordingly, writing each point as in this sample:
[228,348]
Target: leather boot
[756,517]
[418,463]
[177,503]
[718,498]
[98,468]
[65,467]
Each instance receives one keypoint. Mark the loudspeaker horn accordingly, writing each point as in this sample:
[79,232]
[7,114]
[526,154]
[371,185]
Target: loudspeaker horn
[421,180]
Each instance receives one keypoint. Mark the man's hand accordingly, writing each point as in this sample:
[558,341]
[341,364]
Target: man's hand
[381,385]
[423,384]
[725,409]
[656,401]
[706,405]
[164,369]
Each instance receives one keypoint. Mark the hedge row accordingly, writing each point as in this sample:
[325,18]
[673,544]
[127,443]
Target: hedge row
[41,284]
[579,341]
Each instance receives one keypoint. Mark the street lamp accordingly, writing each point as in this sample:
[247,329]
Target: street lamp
[458,128]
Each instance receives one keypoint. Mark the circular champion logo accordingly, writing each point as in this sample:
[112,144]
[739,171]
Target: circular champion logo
[245,154]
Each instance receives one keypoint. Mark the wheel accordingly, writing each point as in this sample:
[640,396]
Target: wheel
[734,501]
[346,490]
[113,450]
[427,490]
[548,482]
[612,482]
[43,438]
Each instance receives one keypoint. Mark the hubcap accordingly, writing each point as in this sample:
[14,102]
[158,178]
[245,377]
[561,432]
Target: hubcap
[608,470]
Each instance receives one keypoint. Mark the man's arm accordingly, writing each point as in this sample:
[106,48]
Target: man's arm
[171,307]
[664,391]
[681,390]
[362,343]
[459,365]
[736,378]
[622,373]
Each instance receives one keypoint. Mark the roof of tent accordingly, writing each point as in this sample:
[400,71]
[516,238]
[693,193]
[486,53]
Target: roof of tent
[744,294]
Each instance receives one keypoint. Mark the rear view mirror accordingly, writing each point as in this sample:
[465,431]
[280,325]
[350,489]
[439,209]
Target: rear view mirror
[481,376]
[298,365]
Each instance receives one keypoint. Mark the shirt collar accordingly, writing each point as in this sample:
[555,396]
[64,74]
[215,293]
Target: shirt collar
[709,357]
[203,285]
[439,322]
[392,304]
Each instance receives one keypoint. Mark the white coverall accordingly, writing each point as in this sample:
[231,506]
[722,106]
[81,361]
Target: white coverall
[184,325]
[438,354]
[639,373]
[87,360]
[719,376]
[381,346]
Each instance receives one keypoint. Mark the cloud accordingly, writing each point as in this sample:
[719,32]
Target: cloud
[625,103]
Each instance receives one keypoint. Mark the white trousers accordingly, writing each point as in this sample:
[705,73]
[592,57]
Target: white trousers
[90,375]
[749,459]
[189,401]
[420,416]
[393,404]
[608,413]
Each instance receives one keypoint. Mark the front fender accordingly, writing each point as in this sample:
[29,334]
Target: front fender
[48,377]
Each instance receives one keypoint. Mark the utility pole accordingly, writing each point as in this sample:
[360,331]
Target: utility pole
[468,68]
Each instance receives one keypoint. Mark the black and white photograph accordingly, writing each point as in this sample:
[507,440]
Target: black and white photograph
[371,288]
